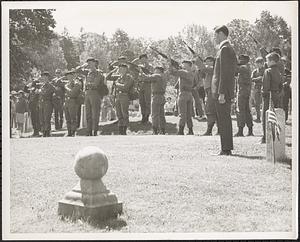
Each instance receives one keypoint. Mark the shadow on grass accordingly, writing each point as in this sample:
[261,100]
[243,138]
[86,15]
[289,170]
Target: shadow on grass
[136,127]
[255,157]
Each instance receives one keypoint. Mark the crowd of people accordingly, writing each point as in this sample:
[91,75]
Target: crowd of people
[206,88]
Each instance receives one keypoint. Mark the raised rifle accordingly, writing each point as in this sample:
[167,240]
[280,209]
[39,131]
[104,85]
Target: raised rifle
[258,44]
[137,68]
[174,63]
[192,51]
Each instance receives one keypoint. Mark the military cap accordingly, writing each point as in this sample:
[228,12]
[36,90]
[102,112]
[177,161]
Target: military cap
[143,56]
[209,58]
[259,60]
[222,29]
[70,72]
[160,68]
[123,65]
[45,73]
[13,92]
[276,50]
[122,58]
[244,57]
[20,91]
[91,59]
[188,62]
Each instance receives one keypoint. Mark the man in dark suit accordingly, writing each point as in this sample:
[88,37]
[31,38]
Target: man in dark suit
[223,87]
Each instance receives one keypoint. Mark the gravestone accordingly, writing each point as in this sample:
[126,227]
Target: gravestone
[83,123]
[279,145]
[90,199]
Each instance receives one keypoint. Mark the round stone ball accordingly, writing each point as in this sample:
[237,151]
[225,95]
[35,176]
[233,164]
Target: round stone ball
[91,163]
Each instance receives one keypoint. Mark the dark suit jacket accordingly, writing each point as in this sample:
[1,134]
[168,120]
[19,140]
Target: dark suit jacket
[224,71]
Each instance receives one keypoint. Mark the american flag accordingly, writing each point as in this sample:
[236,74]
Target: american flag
[272,118]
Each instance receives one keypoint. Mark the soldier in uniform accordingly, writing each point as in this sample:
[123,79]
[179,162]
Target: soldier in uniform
[244,115]
[92,101]
[46,93]
[34,107]
[158,86]
[185,100]
[58,99]
[256,77]
[73,89]
[287,93]
[272,83]
[198,84]
[207,68]
[123,85]
[144,89]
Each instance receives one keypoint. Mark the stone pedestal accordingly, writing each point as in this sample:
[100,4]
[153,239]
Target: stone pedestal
[90,199]
[83,117]
[279,145]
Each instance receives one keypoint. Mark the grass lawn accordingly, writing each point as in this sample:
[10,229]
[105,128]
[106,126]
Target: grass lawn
[166,183]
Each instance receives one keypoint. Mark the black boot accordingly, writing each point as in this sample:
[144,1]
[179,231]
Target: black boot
[95,132]
[73,133]
[125,130]
[180,131]
[191,132]
[250,131]
[69,133]
[90,133]
[155,130]
[239,133]
[208,130]
[163,131]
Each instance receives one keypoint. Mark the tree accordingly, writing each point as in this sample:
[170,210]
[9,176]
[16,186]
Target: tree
[119,43]
[30,30]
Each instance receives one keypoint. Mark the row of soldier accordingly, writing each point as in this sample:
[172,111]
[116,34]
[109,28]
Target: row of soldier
[87,84]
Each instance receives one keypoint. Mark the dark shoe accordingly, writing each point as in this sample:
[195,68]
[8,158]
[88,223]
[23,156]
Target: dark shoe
[155,130]
[95,132]
[239,133]
[250,131]
[191,132]
[90,133]
[125,130]
[69,133]
[162,131]
[263,140]
[225,152]
[180,131]
[73,133]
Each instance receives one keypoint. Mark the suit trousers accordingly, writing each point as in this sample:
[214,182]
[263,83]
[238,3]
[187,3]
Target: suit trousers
[122,105]
[92,103]
[158,112]
[185,108]
[45,110]
[225,124]
[71,108]
[145,100]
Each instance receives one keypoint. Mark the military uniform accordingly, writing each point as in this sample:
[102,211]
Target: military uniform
[158,86]
[46,107]
[58,104]
[73,89]
[271,83]
[33,103]
[244,115]
[185,99]
[256,77]
[198,83]
[123,85]
[287,92]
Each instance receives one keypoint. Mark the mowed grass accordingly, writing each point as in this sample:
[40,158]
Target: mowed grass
[166,183]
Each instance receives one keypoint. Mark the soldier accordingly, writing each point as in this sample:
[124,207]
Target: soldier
[207,68]
[46,93]
[256,77]
[58,99]
[158,86]
[73,89]
[92,101]
[185,100]
[287,93]
[34,107]
[272,83]
[123,85]
[244,90]
[144,89]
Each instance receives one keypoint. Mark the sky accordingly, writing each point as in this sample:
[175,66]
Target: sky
[158,20]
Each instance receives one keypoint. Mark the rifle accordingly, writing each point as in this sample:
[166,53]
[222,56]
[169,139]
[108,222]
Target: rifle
[258,44]
[192,51]
[173,62]
[137,68]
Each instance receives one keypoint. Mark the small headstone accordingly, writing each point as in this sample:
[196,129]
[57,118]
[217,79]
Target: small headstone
[83,123]
[90,199]
[279,145]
